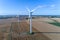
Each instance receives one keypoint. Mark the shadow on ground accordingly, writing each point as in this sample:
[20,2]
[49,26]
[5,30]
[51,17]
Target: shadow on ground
[41,36]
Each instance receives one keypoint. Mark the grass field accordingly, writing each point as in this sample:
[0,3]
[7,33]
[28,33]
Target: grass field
[55,22]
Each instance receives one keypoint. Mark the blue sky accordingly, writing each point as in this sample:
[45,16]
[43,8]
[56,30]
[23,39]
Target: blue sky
[14,7]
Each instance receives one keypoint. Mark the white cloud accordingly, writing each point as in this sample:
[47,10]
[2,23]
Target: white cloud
[52,6]
[40,6]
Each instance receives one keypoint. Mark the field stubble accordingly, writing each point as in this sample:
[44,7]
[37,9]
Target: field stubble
[20,32]
[15,32]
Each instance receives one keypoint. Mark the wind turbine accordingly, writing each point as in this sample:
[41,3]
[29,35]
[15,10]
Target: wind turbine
[18,21]
[30,16]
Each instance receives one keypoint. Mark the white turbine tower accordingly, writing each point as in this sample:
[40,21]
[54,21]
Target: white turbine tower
[30,16]
[18,19]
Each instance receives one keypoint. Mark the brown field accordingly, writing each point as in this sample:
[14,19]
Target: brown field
[9,30]
[49,30]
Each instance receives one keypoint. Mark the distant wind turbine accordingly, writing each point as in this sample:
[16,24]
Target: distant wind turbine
[30,16]
[18,19]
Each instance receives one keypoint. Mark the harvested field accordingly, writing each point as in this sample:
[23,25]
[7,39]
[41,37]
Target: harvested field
[20,33]
[9,30]
[4,31]
[49,30]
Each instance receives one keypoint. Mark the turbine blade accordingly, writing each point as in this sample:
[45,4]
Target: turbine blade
[36,8]
[28,9]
